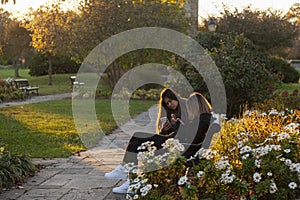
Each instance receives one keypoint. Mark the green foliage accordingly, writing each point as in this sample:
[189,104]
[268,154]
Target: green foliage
[257,157]
[288,73]
[61,65]
[151,94]
[99,20]
[8,92]
[243,68]
[263,28]
[14,168]
[281,101]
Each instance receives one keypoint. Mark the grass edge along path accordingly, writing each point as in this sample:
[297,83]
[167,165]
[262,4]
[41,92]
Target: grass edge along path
[47,129]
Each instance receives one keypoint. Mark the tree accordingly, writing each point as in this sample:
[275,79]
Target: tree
[48,28]
[6,1]
[4,19]
[268,29]
[99,20]
[243,67]
[17,41]
[293,15]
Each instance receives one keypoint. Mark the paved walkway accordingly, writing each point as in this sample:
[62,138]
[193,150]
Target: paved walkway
[35,99]
[80,177]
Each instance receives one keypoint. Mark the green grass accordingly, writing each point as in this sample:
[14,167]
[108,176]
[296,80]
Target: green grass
[47,129]
[60,82]
[290,87]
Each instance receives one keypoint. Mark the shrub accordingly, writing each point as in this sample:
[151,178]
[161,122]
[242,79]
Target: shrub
[14,168]
[257,157]
[8,92]
[288,73]
[281,101]
[39,65]
[242,66]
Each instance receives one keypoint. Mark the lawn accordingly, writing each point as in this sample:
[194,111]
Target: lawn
[290,87]
[61,83]
[47,129]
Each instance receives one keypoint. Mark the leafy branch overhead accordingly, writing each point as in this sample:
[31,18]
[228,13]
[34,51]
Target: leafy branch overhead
[6,1]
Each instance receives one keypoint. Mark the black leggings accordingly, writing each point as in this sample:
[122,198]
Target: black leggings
[137,139]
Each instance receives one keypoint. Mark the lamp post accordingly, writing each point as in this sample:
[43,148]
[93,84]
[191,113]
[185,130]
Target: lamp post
[211,25]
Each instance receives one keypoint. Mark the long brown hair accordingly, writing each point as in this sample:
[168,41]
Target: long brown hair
[198,104]
[164,111]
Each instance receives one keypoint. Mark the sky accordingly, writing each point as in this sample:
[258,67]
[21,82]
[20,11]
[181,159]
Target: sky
[206,7]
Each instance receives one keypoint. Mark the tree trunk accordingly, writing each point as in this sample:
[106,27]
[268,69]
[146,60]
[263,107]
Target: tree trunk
[50,70]
[16,68]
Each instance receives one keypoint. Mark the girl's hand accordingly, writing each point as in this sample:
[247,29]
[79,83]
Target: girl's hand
[166,126]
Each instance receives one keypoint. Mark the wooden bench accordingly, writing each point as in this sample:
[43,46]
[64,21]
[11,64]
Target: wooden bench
[23,84]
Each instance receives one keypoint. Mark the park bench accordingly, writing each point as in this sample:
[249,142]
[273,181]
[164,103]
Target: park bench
[75,83]
[23,84]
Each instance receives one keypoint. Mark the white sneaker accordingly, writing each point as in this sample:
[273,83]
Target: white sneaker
[121,189]
[117,173]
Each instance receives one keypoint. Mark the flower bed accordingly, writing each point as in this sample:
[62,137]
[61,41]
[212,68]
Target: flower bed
[8,92]
[256,157]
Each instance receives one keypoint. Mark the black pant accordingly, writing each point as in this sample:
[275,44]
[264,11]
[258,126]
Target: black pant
[137,139]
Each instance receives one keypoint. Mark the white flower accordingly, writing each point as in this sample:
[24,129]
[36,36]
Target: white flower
[128,197]
[292,185]
[144,180]
[298,167]
[136,196]
[287,151]
[257,163]
[221,164]
[269,174]
[231,150]
[291,127]
[247,113]
[200,173]
[263,114]
[225,178]
[245,149]
[245,140]
[273,187]
[173,145]
[283,136]
[243,198]
[288,162]
[273,112]
[208,154]
[256,177]
[240,144]
[273,134]
[182,180]
[244,157]
[136,180]
[293,167]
